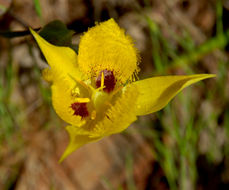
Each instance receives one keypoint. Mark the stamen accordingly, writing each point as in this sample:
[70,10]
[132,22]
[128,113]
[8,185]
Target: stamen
[102,81]
[106,78]
[82,100]
[80,109]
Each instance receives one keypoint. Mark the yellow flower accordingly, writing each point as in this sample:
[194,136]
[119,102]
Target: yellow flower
[95,91]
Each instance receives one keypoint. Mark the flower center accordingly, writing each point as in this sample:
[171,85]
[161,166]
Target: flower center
[109,80]
[80,109]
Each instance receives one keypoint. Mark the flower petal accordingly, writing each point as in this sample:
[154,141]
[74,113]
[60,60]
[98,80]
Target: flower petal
[156,92]
[62,60]
[64,68]
[78,138]
[119,116]
[106,47]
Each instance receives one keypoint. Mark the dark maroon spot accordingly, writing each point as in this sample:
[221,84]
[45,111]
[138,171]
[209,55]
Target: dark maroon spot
[80,109]
[109,80]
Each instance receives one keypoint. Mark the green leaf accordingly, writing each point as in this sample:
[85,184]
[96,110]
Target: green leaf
[57,34]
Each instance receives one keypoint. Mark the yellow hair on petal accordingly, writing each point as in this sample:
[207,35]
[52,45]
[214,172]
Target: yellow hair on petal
[118,117]
[106,46]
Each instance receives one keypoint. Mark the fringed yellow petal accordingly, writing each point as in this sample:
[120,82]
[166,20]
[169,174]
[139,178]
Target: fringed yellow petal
[106,46]
[156,92]
[62,100]
[64,70]
[118,117]
[78,137]
[62,60]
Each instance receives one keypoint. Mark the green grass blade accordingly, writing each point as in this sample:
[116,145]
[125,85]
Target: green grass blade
[38,9]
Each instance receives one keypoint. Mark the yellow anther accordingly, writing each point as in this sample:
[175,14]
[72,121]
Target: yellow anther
[102,80]
[82,100]
[102,83]
[93,114]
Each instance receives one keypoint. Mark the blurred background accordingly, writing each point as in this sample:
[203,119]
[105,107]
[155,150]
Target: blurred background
[185,146]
